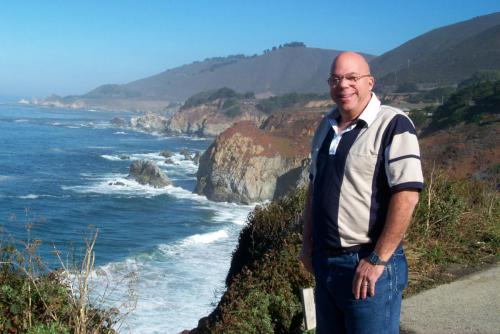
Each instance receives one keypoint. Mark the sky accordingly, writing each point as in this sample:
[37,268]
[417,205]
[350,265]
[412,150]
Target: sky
[70,47]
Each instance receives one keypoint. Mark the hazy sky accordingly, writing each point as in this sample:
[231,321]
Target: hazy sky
[71,47]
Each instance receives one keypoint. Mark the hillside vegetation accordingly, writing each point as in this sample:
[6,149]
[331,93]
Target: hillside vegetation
[444,55]
[478,102]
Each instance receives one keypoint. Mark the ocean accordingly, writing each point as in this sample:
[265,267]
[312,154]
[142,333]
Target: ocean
[58,170]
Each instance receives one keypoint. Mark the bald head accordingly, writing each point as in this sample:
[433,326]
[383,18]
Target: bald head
[354,61]
[351,84]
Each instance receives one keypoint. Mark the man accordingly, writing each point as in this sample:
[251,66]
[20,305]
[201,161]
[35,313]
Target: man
[365,182]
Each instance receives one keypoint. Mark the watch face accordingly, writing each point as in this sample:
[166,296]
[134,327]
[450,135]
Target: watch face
[373,258]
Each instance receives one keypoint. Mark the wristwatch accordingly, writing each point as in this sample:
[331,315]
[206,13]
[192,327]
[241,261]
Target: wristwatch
[374,259]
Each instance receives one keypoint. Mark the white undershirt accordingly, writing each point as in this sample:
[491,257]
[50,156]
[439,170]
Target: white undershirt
[337,136]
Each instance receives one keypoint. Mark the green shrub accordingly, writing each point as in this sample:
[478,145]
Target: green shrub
[470,104]
[275,103]
[455,222]
[264,281]
[35,301]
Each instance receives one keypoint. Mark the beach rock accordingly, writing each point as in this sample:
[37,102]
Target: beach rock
[169,161]
[247,164]
[147,172]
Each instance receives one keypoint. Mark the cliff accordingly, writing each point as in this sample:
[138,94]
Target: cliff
[248,164]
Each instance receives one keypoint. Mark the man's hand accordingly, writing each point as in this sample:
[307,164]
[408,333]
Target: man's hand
[306,259]
[365,278]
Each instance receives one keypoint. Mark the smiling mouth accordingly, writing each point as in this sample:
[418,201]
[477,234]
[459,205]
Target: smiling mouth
[345,96]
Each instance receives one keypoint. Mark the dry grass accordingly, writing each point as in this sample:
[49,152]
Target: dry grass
[456,228]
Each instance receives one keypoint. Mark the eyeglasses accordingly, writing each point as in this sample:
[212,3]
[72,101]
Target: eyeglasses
[352,79]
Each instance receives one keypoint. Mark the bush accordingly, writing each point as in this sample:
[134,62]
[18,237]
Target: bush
[35,301]
[209,96]
[275,103]
[470,104]
[264,281]
[455,222]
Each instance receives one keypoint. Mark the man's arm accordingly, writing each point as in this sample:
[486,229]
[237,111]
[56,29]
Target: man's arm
[307,242]
[398,219]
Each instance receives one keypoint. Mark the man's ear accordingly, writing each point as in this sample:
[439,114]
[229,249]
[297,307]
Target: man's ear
[371,82]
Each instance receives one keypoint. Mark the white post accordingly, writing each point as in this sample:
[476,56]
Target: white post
[309,308]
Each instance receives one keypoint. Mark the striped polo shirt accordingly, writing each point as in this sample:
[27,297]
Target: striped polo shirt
[353,183]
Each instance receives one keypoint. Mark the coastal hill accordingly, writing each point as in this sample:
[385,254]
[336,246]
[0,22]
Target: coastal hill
[281,70]
[292,67]
[445,55]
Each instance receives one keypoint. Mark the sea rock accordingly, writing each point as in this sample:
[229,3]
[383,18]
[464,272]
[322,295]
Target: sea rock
[149,122]
[247,164]
[116,183]
[147,172]
[119,121]
[166,154]
[124,157]
[196,158]
[186,154]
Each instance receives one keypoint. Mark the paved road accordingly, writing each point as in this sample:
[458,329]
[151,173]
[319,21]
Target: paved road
[468,305]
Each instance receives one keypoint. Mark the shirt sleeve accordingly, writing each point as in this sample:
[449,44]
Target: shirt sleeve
[402,156]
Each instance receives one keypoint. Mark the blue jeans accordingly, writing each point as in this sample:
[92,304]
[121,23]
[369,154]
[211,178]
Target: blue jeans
[336,309]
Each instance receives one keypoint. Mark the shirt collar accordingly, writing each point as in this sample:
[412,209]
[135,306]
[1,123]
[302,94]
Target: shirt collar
[368,115]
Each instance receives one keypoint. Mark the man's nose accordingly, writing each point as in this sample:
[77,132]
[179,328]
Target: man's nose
[343,82]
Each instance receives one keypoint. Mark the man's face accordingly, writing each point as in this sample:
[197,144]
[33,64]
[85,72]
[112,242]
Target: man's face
[351,96]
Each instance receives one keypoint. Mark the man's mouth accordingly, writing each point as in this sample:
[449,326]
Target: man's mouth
[344,97]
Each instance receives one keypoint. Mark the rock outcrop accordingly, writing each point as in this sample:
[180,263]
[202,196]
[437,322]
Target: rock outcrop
[211,118]
[149,122]
[247,164]
[148,173]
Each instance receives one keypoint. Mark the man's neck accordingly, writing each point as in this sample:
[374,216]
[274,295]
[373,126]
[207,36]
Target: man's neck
[348,118]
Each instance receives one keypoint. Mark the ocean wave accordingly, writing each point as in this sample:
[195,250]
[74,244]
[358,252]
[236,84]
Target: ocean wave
[173,286]
[5,178]
[112,157]
[179,168]
[205,238]
[119,133]
[34,196]
[171,282]
[118,184]
[29,196]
